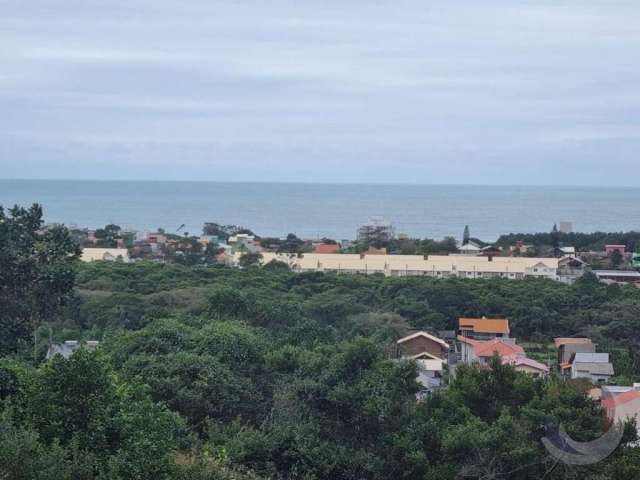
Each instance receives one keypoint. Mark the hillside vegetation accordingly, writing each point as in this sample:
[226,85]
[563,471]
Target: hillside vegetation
[218,373]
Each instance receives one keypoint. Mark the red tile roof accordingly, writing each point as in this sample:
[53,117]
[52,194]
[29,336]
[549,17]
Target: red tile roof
[326,248]
[616,400]
[488,349]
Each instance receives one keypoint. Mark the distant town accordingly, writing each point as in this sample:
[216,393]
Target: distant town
[561,255]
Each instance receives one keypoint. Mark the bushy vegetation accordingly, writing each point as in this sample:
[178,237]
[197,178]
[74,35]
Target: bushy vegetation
[207,372]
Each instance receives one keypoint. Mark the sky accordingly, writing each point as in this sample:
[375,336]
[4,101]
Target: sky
[405,91]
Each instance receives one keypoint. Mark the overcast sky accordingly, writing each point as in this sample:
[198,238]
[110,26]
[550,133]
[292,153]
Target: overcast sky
[480,92]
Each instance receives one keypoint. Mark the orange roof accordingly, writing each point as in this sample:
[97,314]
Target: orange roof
[488,349]
[625,397]
[326,248]
[484,325]
[570,341]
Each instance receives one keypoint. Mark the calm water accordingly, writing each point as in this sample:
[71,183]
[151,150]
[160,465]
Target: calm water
[311,210]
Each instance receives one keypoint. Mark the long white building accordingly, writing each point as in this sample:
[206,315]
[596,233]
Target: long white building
[433,265]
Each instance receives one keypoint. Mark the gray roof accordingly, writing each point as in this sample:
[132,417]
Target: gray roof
[594,368]
[617,273]
[616,389]
[590,357]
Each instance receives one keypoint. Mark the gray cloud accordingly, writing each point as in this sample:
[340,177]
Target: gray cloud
[408,91]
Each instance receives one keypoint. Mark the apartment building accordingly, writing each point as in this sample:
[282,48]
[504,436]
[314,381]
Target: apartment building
[439,266]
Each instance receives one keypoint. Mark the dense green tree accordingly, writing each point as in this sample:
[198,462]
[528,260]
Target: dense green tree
[79,406]
[108,236]
[36,274]
[616,259]
[249,259]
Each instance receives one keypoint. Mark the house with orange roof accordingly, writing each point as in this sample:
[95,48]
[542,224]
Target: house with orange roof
[480,351]
[483,328]
[568,347]
[622,407]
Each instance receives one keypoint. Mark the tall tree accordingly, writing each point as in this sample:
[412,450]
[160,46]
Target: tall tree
[616,259]
[466,235]
[36,273]
[555,240]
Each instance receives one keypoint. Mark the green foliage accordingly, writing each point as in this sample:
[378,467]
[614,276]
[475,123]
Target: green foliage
[249,259]
[78,421]
[205,372]
[582,241]
[36,274]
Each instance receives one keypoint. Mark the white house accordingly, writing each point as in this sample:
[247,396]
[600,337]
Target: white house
[471,249]
[594,366]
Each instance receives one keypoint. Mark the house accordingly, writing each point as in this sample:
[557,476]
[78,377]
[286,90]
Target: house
[544,269]
[243,242]
[594,366]
[617,276]
[568,347]
[430,372]
[520,248]
[326,248]
[156,238]
[526,365]
[105,254]
[430,354]
[570,268]
[483,328]
[609,249]
[622,407]
[422,345]
[568,251]
[491,251]
[498,347]
[67,348]
[480,351]
[470,248]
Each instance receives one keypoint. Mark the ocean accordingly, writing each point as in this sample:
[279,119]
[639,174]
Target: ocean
[331,210]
